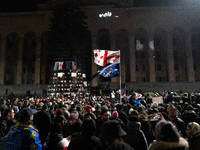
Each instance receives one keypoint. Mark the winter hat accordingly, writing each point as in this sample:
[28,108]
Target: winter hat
[134,119]
[104,107]
[107,102]
[59,112]
[88,126]
[190,107]
[194,129]
[88,108]
[16,109]
[73,116]
[55,128]
[111,130]
[115,114]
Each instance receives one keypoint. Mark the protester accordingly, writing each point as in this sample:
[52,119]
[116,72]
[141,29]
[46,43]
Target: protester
[23,135]
[8,124]
[55,140]
[104,116]
[72,128]
[178,122]
[42,120]
[135,137]
[111,133]
[8,114]
[87,140]
[193,133]
[168,138]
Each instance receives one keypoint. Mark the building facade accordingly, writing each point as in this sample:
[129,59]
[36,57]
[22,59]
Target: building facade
[157,43]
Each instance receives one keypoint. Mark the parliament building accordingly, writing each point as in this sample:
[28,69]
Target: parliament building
[159,42]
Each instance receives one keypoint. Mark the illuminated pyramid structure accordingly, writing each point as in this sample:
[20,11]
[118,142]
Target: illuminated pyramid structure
[66,80]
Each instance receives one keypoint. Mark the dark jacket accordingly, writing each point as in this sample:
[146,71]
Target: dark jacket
[135,137]
[194,143]
[55,141]
[190,117]
[99,124]
[73,130]
[42,121]
[123,116]
[83,142]
[182,144]
[180,125]
[87,140]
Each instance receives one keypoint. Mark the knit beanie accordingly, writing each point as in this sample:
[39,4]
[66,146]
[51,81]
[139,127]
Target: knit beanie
[73,116]
[115,114]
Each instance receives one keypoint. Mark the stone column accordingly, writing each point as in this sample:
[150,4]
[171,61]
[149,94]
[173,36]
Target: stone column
[2,61]
[189,59]
[113,47]
[132,58]
[152,71]
[170,58]
[94,66]
[20,62]
[37,61]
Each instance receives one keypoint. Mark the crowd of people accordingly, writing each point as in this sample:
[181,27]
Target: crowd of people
[102,122]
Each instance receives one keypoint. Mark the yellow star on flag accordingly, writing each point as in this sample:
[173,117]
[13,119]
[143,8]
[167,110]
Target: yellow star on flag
[32,135]
[104,73]
[110,68]
[25,128]
[32,146]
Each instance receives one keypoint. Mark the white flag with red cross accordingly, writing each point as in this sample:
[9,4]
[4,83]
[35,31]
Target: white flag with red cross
[60,66]
[103,57]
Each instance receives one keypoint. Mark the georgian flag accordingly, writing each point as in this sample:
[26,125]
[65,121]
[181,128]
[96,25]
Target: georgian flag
[60,66]
[103,57]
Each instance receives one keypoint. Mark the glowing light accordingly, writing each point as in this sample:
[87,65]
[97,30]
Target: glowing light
[108,14]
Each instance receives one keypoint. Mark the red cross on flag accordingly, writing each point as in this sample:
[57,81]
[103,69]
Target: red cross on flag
[60,66]
[103,57]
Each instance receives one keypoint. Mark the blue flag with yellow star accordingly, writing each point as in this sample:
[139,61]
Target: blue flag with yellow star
[23,138]
[109,71]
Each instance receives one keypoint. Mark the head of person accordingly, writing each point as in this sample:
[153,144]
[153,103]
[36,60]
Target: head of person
[26,115]
[73,118]
[193,130]
[105,115]
[9,123]
[55,128]
[59,112]
[45,107]
[88,127]
[87,109]
[112,132]
[166,131]
[171,109]
[115,114]
[9,113]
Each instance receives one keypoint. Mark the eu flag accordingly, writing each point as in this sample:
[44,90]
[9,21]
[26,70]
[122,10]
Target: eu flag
[109,71]
[67,65]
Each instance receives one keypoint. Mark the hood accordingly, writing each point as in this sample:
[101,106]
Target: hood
[53,139]
[161,145]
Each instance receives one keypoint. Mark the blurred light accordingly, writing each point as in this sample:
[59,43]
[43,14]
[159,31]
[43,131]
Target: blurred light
[108,14]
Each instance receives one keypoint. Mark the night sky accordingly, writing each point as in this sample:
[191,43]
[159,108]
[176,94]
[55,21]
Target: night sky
[31,5]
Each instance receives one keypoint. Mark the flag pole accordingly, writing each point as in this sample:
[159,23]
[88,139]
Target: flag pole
[120,78]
